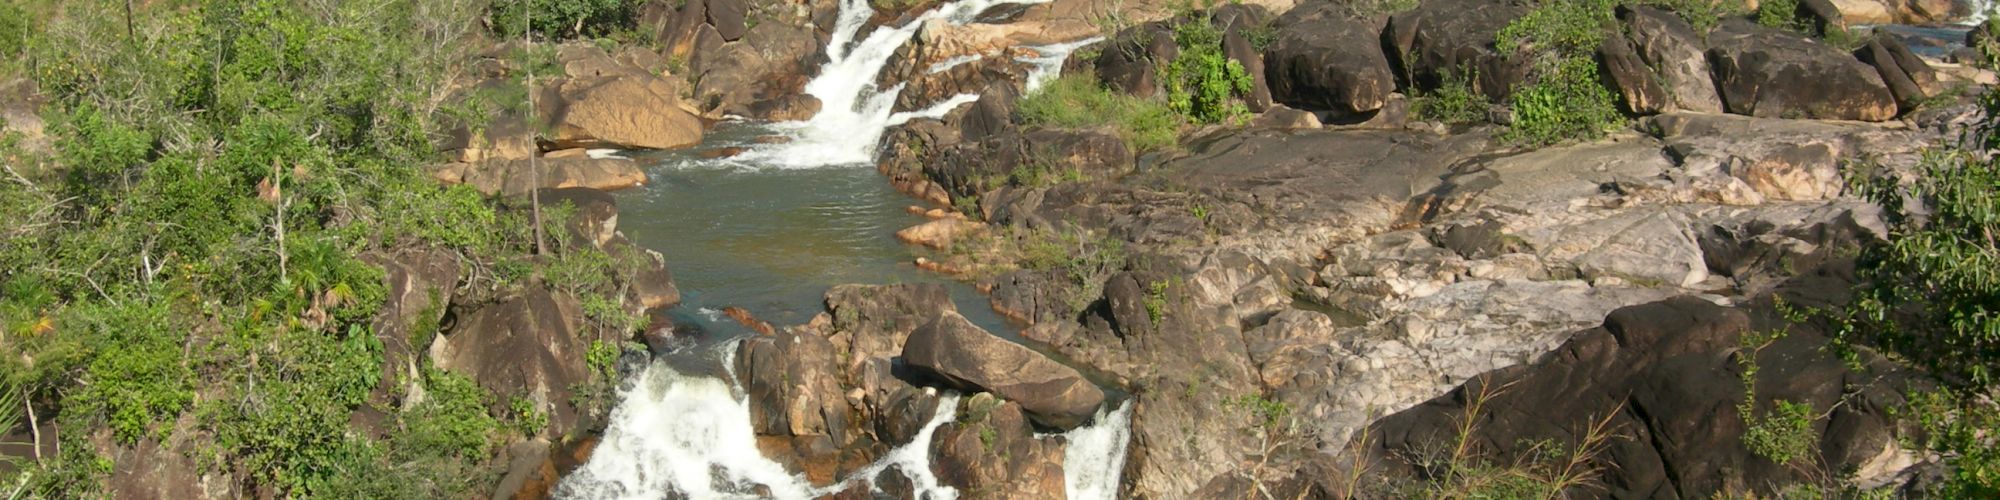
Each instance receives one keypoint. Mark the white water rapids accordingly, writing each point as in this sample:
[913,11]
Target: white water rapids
[674,434]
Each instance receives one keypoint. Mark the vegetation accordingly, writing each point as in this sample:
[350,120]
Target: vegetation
[1202,83]
[1078,101]
[186,259]
[1565,98]
[1085,259]
[1543,469]
[563,19]
[1452,102]
[1703,15]
[1785,435]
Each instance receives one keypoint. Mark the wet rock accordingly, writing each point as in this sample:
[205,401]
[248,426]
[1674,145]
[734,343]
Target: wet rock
[514,177]
[1636,84]
[798,107]
[1776,74]
[622,112]
[523,346]
[939,234]
[968,358]
[1672,48]
[1330,64]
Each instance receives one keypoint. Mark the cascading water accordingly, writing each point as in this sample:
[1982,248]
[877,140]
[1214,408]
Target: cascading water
[1047,64]
[684,434]
[853,111]
[1095,456]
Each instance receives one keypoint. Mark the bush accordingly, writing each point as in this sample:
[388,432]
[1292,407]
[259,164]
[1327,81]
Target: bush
[1703,15]
[562,19]
[1780,14]
[1078,101]
[1452,102]
[1203,84]
[1567,101]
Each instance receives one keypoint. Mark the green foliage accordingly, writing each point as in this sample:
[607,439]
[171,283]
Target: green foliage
[1965,430]
[1784,436]
[1156,301]
[1084,258]
[15,30]
[452,418]
[562,19]
[1452,102]
[1079,101]
[1271,414]
[1562,27]
[140,383]
[1780,14]
[1567,101]
[1703,15]
[1203,84]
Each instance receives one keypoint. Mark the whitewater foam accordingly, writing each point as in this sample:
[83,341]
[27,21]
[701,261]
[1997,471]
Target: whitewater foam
[1095,457]
[1047,64]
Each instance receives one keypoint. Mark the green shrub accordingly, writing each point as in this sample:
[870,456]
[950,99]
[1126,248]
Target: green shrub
[1703,15]
[1203,84]
[1452,102]
[562,19]
[1566,101]
[1783,436]
[1084,258]
[1780,14]
[15,29]
[1078,102]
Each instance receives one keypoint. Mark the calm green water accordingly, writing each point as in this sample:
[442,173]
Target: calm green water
[772,240]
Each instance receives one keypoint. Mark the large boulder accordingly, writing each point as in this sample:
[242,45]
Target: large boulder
[970,168]
[969,358]
[518,177]
[1443,38]
[1329,63]
[525,346]
[990,451]
[620,112]
[1667,378]
[1128,60]
[1637,86]
[1909,78]
[1675,52]
[1778,74]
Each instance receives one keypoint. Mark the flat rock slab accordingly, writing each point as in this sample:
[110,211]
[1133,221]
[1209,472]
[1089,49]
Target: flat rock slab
[968,358]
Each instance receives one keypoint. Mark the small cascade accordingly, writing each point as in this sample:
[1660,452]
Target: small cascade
[675,435]
[1095,457]
[853,111]
[1047,65]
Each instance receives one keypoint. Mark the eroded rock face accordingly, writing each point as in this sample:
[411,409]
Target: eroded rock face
[1666,377]
[1331,63]
[515,177]
[1774,74]
[969,358]
[524,346]
[1672,48]
[623,112]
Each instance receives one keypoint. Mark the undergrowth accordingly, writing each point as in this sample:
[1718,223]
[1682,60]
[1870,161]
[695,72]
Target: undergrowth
[1078,101]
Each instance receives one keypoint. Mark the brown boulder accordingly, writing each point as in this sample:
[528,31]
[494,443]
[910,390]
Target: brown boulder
[514,178]
[621,112]
[1778,74]
[524,346]
[1676,53]
[990,451]
[1128,59]
[1909,78]
[968,358]
[1331,63]
[1637,87]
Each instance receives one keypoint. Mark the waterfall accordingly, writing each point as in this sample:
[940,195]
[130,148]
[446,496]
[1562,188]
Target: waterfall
[1048,63]
[674,434]
[1095,457]
[853,111]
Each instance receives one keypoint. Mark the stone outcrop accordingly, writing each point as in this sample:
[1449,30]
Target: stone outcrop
[1776,74]
[991,451]
[1639,90]
[1128,58]
[518,177]
[524,346]
[1440,38]
[1331,63]
[1672,48]
[969,358]
[1909,78]
[621,112]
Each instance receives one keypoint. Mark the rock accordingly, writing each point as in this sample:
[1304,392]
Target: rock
[968,358]
[506,137]
[1282,117]
[1128,60]
[1329,64]
[1042,155]
[991,115]
[620,112]
[1441,38]
[1795,172]
[990,451]
[595,218]
[727,17]
[420,285]
[523,346]
[648,283]
[514,177]
[799,107]
[1636,84]
[1666,377]
[939,234]
[1236,46]
[1676,53]
[793,384]
[1821,15]
[1775,74]
[1909,78]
